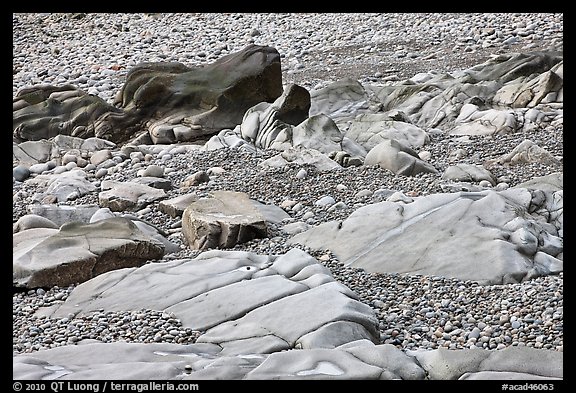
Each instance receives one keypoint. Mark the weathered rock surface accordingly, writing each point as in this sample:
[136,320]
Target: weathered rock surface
[61,214]
[488,236]
[169,101]
[64,186]
[371,129]
[356,360]
[77,252]
[245,303]
[487,98]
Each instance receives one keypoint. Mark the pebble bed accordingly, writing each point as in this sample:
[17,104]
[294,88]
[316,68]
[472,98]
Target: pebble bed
[414,311]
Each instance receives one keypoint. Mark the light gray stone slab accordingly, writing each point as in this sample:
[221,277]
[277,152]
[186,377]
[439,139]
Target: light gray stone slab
[76,252]
[484,236]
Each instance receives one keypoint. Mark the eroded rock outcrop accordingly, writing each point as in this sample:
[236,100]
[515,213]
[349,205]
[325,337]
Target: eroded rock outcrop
[168,102]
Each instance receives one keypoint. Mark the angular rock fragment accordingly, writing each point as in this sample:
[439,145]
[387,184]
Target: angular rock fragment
[222,221]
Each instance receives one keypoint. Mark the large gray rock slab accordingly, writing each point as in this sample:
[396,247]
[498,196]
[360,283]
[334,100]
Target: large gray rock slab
[31,152]
[489,237]
[301,156]
[342,100]
[361,359]
[77,252]
[245,303]
[222,220]
[93,360]
[526,152]
[552,182]
[120,196]
[356,360]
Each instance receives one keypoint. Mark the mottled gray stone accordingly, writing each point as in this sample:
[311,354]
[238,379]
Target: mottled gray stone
[222,220]
[64,186]
[445,364]
[552,182]
[468,173]
[371,129]
[302,157]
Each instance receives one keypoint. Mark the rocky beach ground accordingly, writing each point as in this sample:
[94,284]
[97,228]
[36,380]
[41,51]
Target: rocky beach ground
[414,311]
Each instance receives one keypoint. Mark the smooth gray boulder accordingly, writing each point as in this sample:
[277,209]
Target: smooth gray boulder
[468,173]
[29,221]
[397,158]
[222,220]
[245,303]
[489,237]
[445,364]
[371,129]
[77,252]
[552,182]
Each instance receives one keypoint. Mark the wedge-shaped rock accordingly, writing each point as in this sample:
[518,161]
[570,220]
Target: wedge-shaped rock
[245,303]
[222,221]
[526,152]
[77,252]
[489,237]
